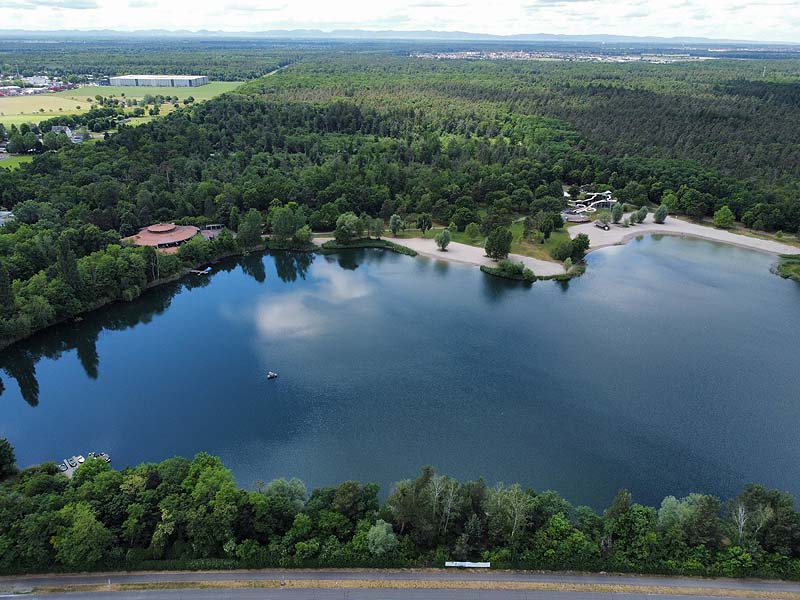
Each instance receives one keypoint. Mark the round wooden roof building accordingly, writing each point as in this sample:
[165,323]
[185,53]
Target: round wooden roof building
[164,235]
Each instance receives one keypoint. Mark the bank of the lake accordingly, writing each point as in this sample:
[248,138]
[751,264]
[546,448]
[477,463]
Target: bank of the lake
[619,234]
[666,368]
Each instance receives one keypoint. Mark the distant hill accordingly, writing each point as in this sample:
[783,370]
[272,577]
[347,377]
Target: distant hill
[361,34]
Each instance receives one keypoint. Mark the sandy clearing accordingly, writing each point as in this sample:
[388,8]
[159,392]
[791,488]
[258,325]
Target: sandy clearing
[469,255]
[619,235]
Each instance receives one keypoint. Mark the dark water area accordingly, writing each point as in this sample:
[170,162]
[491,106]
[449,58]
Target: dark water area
[670,367]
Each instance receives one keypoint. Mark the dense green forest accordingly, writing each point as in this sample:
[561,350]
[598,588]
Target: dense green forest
[77,59]
[453,142]
[190,514]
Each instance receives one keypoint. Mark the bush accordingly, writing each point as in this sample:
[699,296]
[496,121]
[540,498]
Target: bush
[563,251]
[616,212]
[472,231]
[498,244]
[579,247]
[661,214]
[724,218]
[348,228]
[443,239]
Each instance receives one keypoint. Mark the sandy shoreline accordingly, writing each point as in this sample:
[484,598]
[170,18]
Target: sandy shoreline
[469,255]
[598,238]
[620,235]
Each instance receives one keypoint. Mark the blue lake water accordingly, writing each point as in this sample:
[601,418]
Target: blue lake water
[669,367]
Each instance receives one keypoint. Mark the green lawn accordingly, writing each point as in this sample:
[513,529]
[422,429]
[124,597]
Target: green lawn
[790,267]
[12,162]
[33,109]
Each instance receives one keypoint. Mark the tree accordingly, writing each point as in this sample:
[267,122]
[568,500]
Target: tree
[249,234]
[563,251]
[616,212]
[661,214]
[463,217]
[424,222]
[395,224]
[443,239]
[498,243]
[579,247]
[84,541]
[303,236]
[68,265]
[8,462]
[233,219]
[670,200]
[472,231]
[6,292]
[724,218]
[641,214]
[283,223]
[381,540]
[348,228]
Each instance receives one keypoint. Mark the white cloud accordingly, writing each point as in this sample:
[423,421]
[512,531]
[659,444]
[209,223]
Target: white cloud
[768,20]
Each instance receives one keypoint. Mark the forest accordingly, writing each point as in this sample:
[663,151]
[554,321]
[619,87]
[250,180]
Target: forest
[377,135]
[76,60]
[190,514]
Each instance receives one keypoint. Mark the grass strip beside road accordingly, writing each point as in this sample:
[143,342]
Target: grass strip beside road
[603,588]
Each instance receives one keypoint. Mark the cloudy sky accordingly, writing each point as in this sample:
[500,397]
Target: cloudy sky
[767,20]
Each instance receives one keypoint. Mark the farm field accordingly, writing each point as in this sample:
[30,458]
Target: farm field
[33,109]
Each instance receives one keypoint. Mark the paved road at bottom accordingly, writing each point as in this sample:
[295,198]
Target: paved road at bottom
[355,594]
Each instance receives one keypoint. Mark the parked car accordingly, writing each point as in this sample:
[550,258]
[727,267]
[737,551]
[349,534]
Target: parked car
[602,225]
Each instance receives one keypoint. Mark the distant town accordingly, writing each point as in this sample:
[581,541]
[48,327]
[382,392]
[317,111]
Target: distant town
[560,55]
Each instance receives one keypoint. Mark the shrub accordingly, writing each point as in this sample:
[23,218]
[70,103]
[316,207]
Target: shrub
[498,244]
[443,239]
[616,212]
[724,218]
[661,214]
[473,231]
[563,251]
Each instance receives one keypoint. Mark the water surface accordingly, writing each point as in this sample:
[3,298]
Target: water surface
[669,367]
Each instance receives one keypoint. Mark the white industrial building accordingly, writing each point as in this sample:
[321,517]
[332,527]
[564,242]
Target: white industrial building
[159,80]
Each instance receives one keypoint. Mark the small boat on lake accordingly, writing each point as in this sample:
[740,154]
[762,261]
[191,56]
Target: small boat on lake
[272,375]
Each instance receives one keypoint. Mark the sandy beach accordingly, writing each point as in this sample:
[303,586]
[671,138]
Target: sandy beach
[599,238]
[469,255]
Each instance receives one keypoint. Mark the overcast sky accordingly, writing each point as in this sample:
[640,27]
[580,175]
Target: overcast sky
[764,20]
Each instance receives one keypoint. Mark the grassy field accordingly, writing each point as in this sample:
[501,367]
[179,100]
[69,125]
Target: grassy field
[12,162]
[32,109]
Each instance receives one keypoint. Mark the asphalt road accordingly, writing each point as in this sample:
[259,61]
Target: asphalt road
[314,594]
[26,583]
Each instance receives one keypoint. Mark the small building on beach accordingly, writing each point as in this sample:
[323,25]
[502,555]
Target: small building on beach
[164,236]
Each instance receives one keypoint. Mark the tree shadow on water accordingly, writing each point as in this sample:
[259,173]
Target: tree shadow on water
[253,265]
[291,265]
[19,361]
[497,288]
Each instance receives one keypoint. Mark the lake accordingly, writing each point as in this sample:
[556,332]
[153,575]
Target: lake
[669,367]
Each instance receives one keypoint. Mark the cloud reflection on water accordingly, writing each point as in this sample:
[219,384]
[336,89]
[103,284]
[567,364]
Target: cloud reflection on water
[306,313]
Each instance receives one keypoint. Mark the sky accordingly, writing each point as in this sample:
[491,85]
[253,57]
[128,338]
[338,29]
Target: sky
[759,20]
